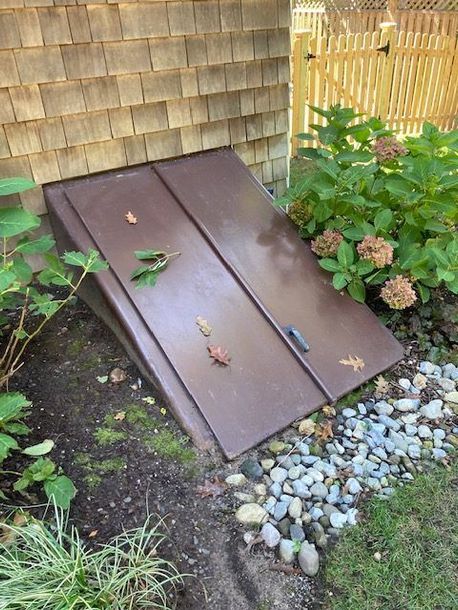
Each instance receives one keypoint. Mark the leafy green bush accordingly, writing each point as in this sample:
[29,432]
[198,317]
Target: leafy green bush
[46,567]
[381,211]
[26,306]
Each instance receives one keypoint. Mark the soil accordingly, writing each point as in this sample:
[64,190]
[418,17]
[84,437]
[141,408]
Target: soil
[70,404]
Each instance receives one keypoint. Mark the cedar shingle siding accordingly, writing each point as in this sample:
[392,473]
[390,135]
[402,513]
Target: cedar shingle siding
[91,86]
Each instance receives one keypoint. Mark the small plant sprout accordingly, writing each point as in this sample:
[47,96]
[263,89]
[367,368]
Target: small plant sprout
[146,275]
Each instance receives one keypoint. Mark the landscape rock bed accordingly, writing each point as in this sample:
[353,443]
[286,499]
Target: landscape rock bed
[300,497]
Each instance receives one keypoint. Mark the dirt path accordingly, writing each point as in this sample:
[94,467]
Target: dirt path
[122,452]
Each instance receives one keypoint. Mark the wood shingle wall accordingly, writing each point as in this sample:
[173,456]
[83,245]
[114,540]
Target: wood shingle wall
[91,86]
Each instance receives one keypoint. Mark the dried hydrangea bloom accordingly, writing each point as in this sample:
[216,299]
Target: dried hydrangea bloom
[387,148]
[398,293]
[300,213]
[376,250]
[327,243]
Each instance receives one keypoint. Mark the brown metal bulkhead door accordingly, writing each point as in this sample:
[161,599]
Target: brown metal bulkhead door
[266,386]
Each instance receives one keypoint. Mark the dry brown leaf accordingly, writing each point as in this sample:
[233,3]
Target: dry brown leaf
[118,375]
[307,427]
[323,431]
[211,489]
[204,326]
[131,219]
[328,411]
[120,416]
[219,354]
[355,361]
[286,569]
[93,533]
[382,386]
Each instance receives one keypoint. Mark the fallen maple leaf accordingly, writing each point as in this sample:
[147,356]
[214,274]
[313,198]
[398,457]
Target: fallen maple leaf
[204,326]
[211,489]
[355,361]
[117,375]
[219,354]
[307,427]
[328,411]
[323,431]
[131,219]
[120,416]
[382,386]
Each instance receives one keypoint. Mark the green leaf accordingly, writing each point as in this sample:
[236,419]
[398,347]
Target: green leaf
[7,278]
[16,427]
[35,246]
[22,270]
[60,490]
[11,404]
[147,279]
[308,153]
[329,264]
[424,292]
[357,290]
[305,136]
[10,186]
[143,255]
[6,444]
[354,156]
[40,449]
[445,275]
[345,254]
[436,226]
[383,219]
[363,267]
[339,281]
[77,259]
[14,221]
[354,233]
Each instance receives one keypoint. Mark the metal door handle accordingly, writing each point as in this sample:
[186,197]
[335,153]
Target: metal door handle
[295,334]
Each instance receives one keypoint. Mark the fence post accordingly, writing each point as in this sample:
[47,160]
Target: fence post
[387,46]
[300,61]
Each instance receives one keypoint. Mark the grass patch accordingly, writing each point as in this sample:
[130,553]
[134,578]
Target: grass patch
[169,445]
[108,436]
[137,415]
[416,533]
[92,480]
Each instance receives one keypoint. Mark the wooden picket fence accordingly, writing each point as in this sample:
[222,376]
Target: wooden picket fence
[403,77]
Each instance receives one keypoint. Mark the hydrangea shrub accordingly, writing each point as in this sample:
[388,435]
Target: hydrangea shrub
[379,211]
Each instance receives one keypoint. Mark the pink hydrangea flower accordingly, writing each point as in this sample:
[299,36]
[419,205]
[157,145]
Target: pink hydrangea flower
[327,243]
[387,148]
[398,293]
[376,250]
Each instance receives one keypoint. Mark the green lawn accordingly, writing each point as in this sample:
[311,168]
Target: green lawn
[416,533]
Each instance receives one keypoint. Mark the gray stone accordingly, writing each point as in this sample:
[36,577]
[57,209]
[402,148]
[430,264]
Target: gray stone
[278,474]
[303,449]
[307,480]
[352,514]
[414,452]
[281,508]
[296,459]
[296,532]
[319,490]
[447,384]
[295,508]
[284,461]
[448,370]
[404,383]
[433,410]
[267,464]
[315,513]
[353,486]
[383,408]
[275,489]
[252,469]
[284,526]
[236,480]
[410,429]
[390,423]
[380,453]
[407,404]
[308,460]
[251,514]
[426,368]
[286,498]
[295,472]
[398,440]
[270,535]
[338,520]
[348,413]
[286,551]
[269,505]
[309,559]
[420,381]
[439,454]
[318,535]
[315,474]
[301,490]
[439,434]
[424,431]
